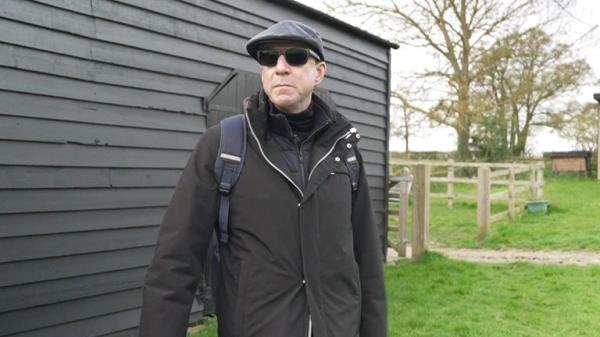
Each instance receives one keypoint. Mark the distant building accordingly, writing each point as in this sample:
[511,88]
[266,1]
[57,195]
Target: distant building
[572,161]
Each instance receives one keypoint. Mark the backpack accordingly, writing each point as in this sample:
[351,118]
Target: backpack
[227,169]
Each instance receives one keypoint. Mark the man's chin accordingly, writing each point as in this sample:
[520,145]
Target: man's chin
[283,102]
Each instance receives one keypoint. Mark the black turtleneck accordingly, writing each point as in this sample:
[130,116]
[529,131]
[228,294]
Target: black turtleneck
[300,123]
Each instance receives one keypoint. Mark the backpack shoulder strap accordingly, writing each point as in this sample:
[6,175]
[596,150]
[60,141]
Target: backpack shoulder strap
[354,168]
[352,159]
[228,165]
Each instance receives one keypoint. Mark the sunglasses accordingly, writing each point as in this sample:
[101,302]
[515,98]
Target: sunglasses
[293,56]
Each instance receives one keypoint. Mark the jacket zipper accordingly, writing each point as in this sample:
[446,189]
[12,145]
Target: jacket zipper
[299,146]
[267,159]
[346,135]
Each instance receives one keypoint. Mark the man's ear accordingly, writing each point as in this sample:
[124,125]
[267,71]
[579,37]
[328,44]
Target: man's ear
[321,70]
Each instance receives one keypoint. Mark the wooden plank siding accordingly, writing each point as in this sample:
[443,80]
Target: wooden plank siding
[101,102]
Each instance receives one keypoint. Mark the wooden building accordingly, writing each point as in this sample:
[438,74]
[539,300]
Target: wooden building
[101,102]
[571,161]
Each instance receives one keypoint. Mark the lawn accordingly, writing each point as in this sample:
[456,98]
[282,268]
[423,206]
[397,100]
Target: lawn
[573,222]
[441,297]
[445,298]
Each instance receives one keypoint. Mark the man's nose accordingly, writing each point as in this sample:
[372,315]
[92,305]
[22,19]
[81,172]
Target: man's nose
[282,66]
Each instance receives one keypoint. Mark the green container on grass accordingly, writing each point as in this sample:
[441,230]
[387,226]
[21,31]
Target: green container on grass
[537,206]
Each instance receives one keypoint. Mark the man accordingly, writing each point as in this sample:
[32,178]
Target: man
[302,256]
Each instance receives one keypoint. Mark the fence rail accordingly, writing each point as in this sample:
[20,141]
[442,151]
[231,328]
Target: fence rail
[488,174]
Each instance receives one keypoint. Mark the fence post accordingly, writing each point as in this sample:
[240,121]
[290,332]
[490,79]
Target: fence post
[539,183]
[403,212]
[532,188]
[483,202]
[450,183]
[421,186]
[511,193]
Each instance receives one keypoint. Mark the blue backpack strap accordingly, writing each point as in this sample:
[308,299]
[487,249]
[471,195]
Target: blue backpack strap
[354,168]
[228,165]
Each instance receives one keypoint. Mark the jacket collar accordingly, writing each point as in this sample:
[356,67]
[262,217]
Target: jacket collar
[258,108]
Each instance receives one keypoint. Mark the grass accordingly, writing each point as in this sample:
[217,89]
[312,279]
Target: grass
[445,298]
[206,328]
[572,223]
[441,297]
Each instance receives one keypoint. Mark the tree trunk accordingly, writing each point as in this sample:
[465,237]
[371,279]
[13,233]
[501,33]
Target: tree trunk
[463,124]
[406,136]
[519,149]
[462,150]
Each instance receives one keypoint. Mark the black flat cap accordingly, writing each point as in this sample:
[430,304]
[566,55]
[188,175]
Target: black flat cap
[287,31]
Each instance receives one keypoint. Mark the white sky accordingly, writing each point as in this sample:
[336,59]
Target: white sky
[581,17]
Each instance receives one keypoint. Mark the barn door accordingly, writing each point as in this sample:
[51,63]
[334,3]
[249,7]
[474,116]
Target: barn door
[227,98]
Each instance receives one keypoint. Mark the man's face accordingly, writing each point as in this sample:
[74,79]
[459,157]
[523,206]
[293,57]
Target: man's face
[290,87]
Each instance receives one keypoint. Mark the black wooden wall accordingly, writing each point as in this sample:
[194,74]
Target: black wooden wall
[101,102]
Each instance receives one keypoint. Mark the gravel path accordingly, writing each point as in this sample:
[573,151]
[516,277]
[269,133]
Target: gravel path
[514,255]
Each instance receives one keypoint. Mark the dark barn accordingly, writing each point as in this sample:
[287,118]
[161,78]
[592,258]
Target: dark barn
[101,102]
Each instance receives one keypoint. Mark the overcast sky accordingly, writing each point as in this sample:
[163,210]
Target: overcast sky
[583,16]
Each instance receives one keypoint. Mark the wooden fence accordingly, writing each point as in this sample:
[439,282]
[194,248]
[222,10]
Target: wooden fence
[514,178]
[420,184]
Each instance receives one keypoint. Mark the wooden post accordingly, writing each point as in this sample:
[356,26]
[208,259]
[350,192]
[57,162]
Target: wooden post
[539,181]
[450,189]
[403,212]
[532,188]
[511,193]
[483,202]
[421,186]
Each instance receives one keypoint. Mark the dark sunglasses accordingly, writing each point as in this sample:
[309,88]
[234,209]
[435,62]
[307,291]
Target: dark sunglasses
[293,56]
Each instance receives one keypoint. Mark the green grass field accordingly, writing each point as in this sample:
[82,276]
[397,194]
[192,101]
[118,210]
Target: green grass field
[439,297]
[573,222]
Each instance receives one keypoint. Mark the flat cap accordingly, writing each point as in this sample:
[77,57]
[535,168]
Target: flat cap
[287,31]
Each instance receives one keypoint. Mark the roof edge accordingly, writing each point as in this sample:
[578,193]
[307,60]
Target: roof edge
[336,22]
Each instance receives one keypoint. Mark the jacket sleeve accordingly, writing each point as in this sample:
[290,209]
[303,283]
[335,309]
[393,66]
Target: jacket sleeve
[367,250]
[172,277]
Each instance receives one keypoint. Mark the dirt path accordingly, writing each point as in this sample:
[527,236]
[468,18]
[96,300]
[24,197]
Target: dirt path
[515,255]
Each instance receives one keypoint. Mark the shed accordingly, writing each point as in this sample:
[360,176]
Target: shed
[573,161]
[101,102]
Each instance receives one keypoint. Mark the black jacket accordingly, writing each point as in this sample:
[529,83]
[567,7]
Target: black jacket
[297,256]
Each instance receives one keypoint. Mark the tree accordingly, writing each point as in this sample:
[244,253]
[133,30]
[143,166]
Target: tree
[582,126]
[488,139]
[405,120]
[456,31]
[517,78]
